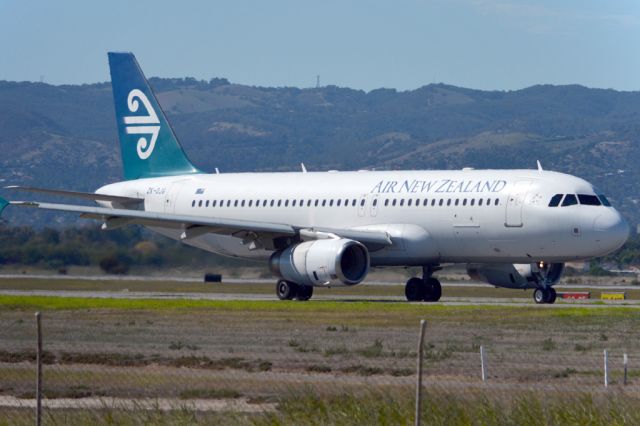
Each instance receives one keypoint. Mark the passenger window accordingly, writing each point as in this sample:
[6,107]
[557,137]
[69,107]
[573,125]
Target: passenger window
[250,203]
[605,201]
[425,202]
[393,203]
[569,200]
[286,203]
[213,203]
[555,200]
[362,202]
[242,203]
[293,203]
[496,202]
[308,203]
[473,201]
[264,203]
[386,202]
[279,203]
[464,202]
[433,202]
[409,202]
[375,202]
[449,202]
[317,202]
[301,203]
[228,203]
[480,202]
[588,200]
[457,201]
[206,204]
[193,203]
[488,202]
[338,203]
[441,201]
[200,203]
[353,203]
[401,202]
[272,203]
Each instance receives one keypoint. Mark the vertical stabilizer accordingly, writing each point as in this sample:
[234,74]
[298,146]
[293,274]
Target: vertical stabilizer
[148,145]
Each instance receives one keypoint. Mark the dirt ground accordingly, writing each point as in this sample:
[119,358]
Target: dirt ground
[275,349]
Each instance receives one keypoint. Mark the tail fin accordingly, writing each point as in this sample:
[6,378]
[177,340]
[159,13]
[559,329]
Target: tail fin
[148,145]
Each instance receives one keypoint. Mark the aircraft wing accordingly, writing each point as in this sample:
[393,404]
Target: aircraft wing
[250,232]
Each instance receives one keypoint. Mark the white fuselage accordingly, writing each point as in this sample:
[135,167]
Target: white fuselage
[490,216]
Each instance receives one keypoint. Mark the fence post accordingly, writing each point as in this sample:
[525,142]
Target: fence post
[606,369]
[625,361]
[38,372]
[423,325]
[482,364]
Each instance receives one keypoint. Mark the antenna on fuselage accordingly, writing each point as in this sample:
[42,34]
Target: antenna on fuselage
[539,165]
[304,169]
[217,171]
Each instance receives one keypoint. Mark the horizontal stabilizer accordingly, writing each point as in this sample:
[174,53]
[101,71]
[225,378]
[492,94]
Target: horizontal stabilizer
[75,194]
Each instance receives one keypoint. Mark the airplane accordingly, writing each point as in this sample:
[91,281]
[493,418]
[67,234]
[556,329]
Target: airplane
[512,228]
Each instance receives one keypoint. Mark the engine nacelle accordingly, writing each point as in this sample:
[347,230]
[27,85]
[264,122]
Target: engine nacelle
[519,275]
[322,262]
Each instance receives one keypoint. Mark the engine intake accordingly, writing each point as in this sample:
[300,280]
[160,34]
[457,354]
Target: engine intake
[519,275]
[322,262]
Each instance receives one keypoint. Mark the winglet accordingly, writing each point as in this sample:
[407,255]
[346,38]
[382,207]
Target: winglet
[3,203]
[539,165]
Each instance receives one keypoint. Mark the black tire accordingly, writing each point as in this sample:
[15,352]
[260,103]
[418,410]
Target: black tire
[552,295]
[414,290]
[286,290]
[304,292]
[433,290]
[539,296]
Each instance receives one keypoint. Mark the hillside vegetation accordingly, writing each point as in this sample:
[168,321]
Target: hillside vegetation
[65,136]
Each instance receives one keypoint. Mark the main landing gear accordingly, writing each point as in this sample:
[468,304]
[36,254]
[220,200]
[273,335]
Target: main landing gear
[426,288]
[287,290]
[544,295]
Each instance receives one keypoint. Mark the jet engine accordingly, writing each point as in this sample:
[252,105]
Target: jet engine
[519,275]
[322,262]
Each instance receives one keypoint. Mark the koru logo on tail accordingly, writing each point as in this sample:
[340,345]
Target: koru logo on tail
[142,124]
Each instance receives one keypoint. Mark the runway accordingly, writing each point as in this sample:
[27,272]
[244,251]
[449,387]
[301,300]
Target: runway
[182,279]
[446,301]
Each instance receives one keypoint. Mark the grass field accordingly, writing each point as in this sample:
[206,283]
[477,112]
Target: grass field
[322,361]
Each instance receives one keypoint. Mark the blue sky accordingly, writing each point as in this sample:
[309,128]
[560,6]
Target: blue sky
[483,44]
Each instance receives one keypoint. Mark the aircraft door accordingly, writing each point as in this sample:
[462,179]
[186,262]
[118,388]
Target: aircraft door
[374,205]
[515,204]
[171,197]
[362,204]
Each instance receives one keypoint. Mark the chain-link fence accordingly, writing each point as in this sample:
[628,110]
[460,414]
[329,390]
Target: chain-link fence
[319,363]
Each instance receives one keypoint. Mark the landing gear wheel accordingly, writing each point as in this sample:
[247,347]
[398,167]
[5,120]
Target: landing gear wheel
[304,292]
[414,290]
[433,290]
[286,290]
[539,296]
[552,295]
[544,295]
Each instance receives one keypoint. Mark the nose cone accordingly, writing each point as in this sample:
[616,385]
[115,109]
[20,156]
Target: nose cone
[611,230]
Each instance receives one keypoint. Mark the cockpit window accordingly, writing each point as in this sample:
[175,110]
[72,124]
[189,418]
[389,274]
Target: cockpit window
[588,200]
[569,200]
[555,200]
[604,200]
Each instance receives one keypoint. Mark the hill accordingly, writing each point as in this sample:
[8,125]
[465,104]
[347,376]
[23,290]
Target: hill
[65,136]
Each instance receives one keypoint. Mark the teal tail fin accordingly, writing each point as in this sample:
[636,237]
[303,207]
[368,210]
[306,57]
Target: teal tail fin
[148,145]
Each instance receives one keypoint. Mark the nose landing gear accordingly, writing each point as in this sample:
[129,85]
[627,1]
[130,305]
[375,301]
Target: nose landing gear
[544,295]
